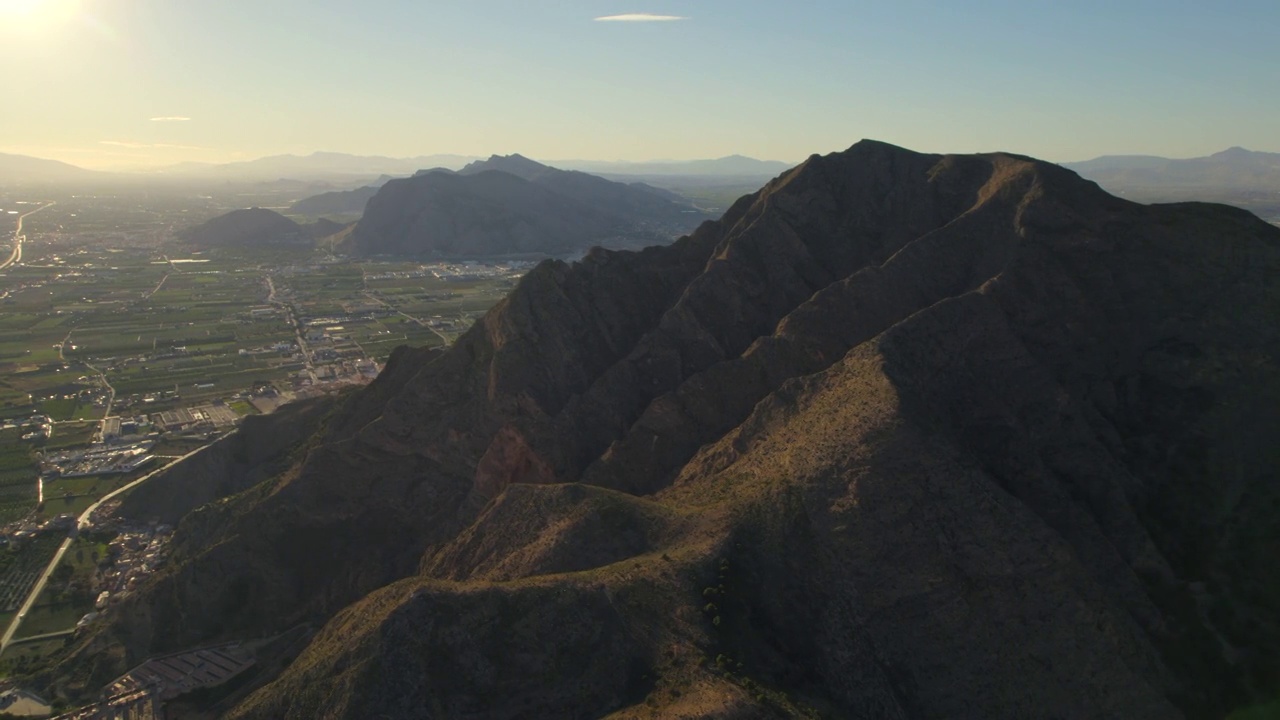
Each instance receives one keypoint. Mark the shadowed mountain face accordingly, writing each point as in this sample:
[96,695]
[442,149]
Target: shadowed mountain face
[514,206]
[901,436]
[338,202]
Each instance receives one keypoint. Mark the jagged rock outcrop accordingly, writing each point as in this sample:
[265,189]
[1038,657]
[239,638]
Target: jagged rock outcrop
[902,435]
[510,205]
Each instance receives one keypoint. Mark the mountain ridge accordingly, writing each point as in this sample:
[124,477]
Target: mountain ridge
[25,169]
[728,166]
[926,436]
[512,205]
[1237,176]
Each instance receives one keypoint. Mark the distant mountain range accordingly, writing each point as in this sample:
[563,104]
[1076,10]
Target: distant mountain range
[23,170]
[513,205]
[318,165]
[1246,178]
[331,166]
[257,227]
[1235,168]
[732,166]
[1241,177]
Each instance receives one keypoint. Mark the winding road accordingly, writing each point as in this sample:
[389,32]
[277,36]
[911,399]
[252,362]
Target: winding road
[15,257]
[66,544]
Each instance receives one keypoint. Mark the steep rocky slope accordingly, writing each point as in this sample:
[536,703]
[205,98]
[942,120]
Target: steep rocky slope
[231,465]
[510,205]
[902,435]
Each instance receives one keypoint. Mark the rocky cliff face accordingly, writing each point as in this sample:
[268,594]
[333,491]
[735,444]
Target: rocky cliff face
[901,435]
[514,206]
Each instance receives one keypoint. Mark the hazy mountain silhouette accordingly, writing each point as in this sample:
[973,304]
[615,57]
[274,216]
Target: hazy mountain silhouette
[1234,169]
[1244,178]
[256,227]
[26,170]
[512,205]
[732,166]
[317,165]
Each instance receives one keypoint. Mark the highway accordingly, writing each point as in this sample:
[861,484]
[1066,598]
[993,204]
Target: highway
[15,257]
[66,544]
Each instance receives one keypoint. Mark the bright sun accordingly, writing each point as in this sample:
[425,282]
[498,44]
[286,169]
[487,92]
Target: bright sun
[13,9]
[27,16]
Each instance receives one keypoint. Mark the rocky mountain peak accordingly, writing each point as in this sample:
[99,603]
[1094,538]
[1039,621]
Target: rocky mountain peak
[901,435]
[515,164]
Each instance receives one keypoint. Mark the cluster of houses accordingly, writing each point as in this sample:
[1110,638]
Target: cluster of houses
[136,552]
[37,427]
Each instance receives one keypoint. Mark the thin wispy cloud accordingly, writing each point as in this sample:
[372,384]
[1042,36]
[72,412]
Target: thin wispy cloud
[640,17]
[170,118]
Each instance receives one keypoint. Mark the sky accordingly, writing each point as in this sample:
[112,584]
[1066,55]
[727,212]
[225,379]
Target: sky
[138,83]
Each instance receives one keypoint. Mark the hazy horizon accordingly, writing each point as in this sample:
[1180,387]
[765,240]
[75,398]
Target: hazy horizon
[110,85]
[459,159]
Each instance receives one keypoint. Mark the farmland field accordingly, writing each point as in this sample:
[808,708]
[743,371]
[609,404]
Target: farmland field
[122,349]
[108,316]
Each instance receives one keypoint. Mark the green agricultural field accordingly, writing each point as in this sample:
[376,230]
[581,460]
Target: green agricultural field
[71,505]
[27,656]
[88,413]
[71,434]
[168,333]
[241,407]
[59,409]
[18,472]
[67,596]
[15,455]
[88,485]
[44,618]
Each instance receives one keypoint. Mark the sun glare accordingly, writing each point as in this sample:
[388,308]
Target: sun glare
[33,16]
